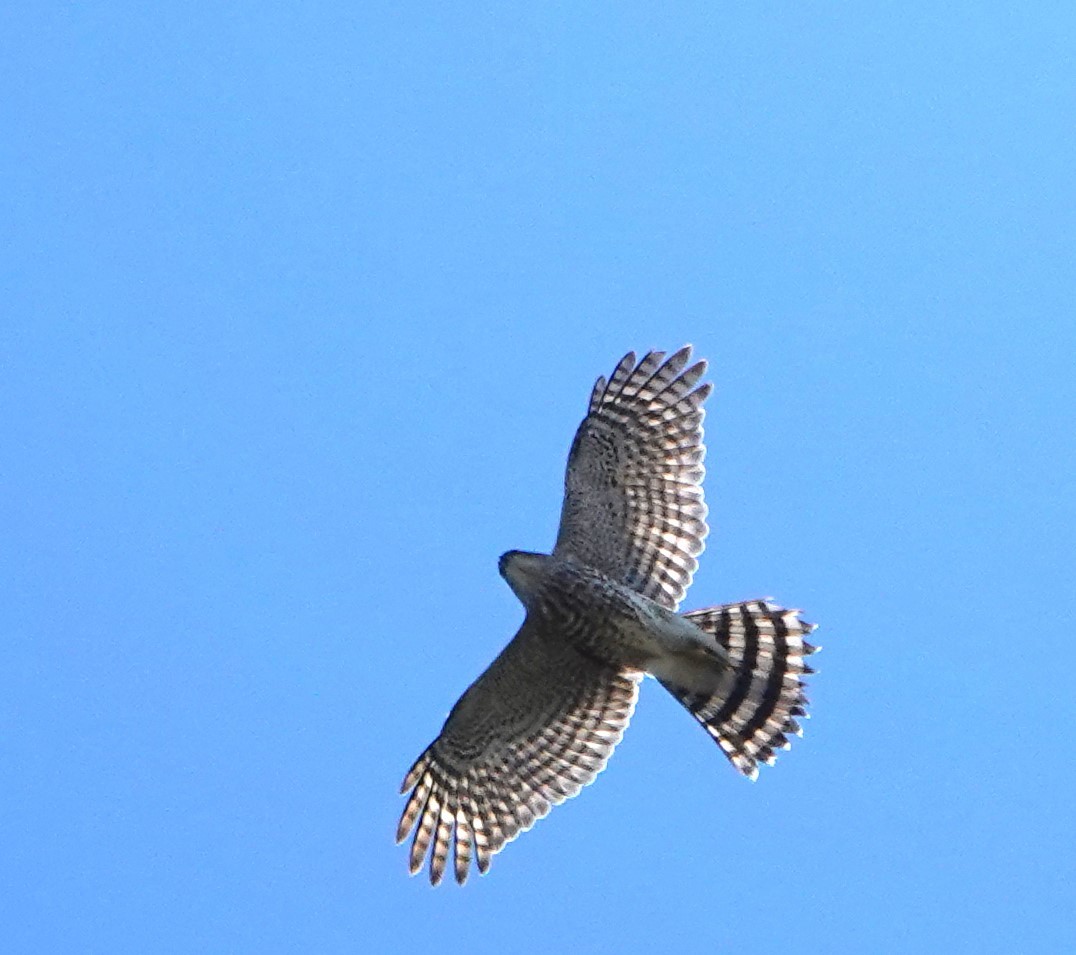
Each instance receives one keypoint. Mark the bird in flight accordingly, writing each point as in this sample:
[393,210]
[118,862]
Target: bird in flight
[542,721]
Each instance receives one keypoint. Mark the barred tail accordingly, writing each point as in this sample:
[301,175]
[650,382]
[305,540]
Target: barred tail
[759,701]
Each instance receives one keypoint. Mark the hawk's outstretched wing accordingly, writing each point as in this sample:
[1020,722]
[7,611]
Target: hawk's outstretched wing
[530,732]
[633,503]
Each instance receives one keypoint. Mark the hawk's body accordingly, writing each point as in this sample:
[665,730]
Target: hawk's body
[606,621]
[541,722]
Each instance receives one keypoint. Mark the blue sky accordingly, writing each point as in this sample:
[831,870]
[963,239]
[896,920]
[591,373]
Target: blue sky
[301,307]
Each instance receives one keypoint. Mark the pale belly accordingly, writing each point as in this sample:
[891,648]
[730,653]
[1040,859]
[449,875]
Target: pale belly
[629,630]
[677,651]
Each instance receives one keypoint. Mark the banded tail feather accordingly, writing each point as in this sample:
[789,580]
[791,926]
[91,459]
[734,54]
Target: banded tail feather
[757,705]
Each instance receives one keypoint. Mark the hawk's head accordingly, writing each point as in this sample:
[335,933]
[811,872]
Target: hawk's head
[524,572]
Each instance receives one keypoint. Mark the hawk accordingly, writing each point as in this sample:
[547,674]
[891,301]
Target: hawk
[543,719]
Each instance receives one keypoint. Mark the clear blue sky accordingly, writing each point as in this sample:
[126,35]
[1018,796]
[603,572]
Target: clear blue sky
[301,305]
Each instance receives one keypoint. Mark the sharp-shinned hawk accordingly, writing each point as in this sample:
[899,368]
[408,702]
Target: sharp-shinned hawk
[542,721]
